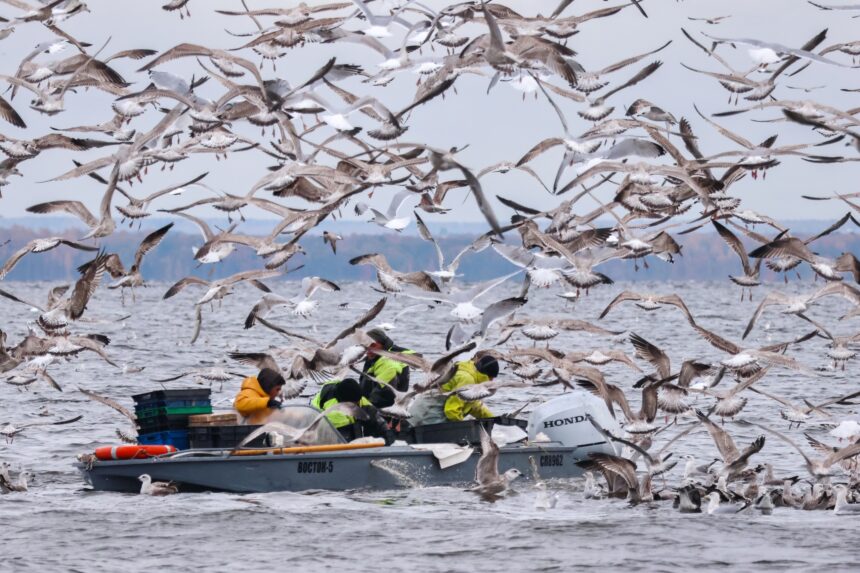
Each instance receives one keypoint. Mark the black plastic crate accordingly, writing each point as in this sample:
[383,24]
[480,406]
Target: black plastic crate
[465,432]
[508,421]
[223,437]
[162,423]
[157,396]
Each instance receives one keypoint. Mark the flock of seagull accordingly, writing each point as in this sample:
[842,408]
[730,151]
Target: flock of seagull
[331,147]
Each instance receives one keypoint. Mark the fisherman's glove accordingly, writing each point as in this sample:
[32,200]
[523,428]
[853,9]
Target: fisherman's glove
[276,404]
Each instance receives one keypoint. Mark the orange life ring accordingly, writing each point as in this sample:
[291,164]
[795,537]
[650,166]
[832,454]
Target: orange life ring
[131,452]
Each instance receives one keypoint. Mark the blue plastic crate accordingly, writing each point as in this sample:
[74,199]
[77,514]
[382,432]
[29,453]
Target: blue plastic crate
[176,438]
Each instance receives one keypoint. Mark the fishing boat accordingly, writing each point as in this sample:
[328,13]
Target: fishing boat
[557,435]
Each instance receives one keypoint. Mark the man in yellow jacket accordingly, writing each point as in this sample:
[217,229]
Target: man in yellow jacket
[452,408]
[335,392]
[380,372]
[258,398]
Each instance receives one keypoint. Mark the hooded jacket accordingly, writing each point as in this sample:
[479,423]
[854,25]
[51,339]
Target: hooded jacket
[456,409]
[251,402]
[325,399]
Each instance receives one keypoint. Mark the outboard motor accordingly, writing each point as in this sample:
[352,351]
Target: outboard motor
[563,420]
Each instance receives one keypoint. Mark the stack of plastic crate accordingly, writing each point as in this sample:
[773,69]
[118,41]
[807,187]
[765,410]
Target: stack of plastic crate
[162,415]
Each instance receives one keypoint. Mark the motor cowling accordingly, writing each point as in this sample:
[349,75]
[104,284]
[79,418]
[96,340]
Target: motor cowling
[563,420]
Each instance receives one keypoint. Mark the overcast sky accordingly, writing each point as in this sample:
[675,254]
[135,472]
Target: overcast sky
[498,126]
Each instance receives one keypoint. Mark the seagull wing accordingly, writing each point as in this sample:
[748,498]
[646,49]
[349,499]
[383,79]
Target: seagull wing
[573,324]
[8,113]
[481,199]
[444,360]
[365,319]
[182,283]
[651,353]
[782,437]
[286,332]
[748,452]
[517,255]
[774,397]
[780,360]
[725,132]
[769,299]
[475,391]
[499,310]
[425,234]
[622,297]
[86,286]
[276,427]
[258,360]
[621,467]
[724,442]
[420,279]
[717,341]
[487,470]
[842,289]
[481,289]
[637,147]
[538,149]
[837,400]
[16,256]
[110,403]
[630,61]
[150,242]
[310,285]
[787,247]
[638,77]
[12,297]
[255,275]
[676,301]
[198,323]
[842,454]
[79,246]
[779,48]
[397,201]
[75,208]
[208,235]
[610,436]
[689,139]
[58,423]
[375,259]
[187,50]
[414,360]
[734,243]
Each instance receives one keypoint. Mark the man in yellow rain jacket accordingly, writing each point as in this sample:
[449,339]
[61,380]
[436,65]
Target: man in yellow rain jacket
[452,408]
[334,392]
[258,398]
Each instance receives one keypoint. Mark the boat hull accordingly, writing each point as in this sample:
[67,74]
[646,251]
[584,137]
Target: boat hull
[375,468]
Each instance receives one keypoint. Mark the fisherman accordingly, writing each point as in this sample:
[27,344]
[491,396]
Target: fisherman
[258,398]
[383,371]
[452,408]
[348,390]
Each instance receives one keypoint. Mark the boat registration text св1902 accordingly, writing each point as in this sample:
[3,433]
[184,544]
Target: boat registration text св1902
[315,467]
[552,460]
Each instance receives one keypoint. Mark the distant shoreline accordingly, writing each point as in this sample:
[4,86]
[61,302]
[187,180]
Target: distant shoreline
[704,256]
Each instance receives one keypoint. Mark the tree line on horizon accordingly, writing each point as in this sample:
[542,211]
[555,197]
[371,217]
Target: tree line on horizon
[704,257]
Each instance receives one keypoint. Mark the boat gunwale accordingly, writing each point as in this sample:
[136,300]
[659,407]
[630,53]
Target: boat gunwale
[379,452]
